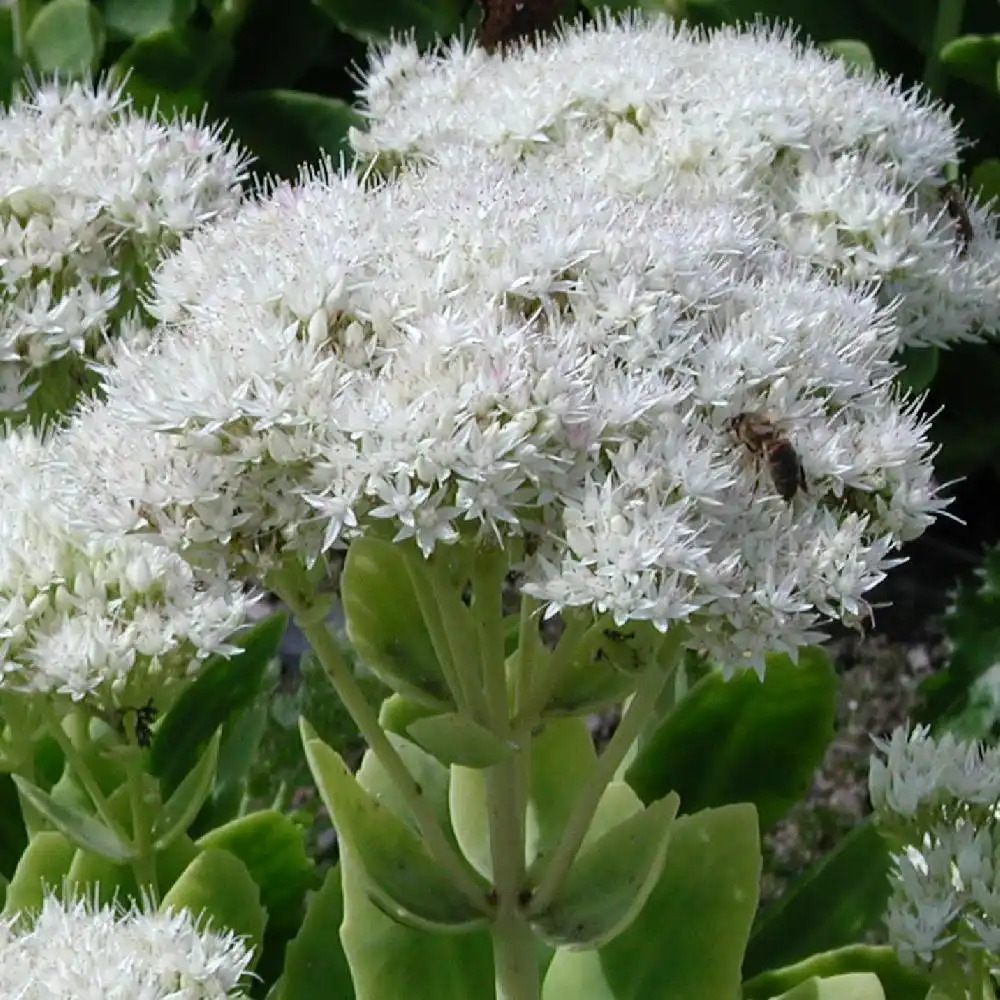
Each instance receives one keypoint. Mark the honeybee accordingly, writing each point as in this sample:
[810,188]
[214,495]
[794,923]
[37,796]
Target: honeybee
[765,440]
[955,204]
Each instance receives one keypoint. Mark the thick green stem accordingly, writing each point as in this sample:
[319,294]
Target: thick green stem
[946,28]
[312,622]
[431,613]
[640,710]
[516,972]
[144,861]
[514,948]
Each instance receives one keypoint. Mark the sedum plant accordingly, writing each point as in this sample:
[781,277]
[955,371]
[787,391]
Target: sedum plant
[595,334]
[935,801]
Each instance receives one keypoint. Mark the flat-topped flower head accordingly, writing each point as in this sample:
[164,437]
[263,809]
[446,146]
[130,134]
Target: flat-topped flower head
[847,170]
[91,195]
[108,621]
[78,948]
[492,350]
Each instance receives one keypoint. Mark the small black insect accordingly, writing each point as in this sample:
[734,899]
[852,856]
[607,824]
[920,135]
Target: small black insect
[957,209]
[617,635]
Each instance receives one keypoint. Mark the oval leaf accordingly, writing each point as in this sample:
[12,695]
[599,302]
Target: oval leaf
[455,739]
[851,986]
[84,830]
[688,940]
[402,874]
[385,625]
[743,740]
[974,58]
[270,845]
[898,981]
[138,20]
[610,881]
[217,888]
[43,865]
[384,954]
[853,52]
[66,37]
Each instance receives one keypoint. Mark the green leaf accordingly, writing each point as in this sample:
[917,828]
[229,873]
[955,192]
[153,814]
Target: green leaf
[853,52]
[286,128]
[272,847]
[13,837]
[45,862]
[85,831]
[66,37]
[11,69]
[222,687]
[242,736]
[397,713]
[374,22]
[175,71]
[217,887]
[743,740]
[920,365]
[402,874]
[985,180]
[315,964]
[851,986]
[593,681]
[455,739]
[610,881]
[898,981]
[965,698]
[385,625]
[974,58]
[180,809]
[384,954]
[688,939]
[108,881]
[832,905]
[132,20]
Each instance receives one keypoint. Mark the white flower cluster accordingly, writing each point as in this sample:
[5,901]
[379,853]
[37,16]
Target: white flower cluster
[499,349]
[844,170]
[937,801]
[91,195]
[79,949]
[110,621]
